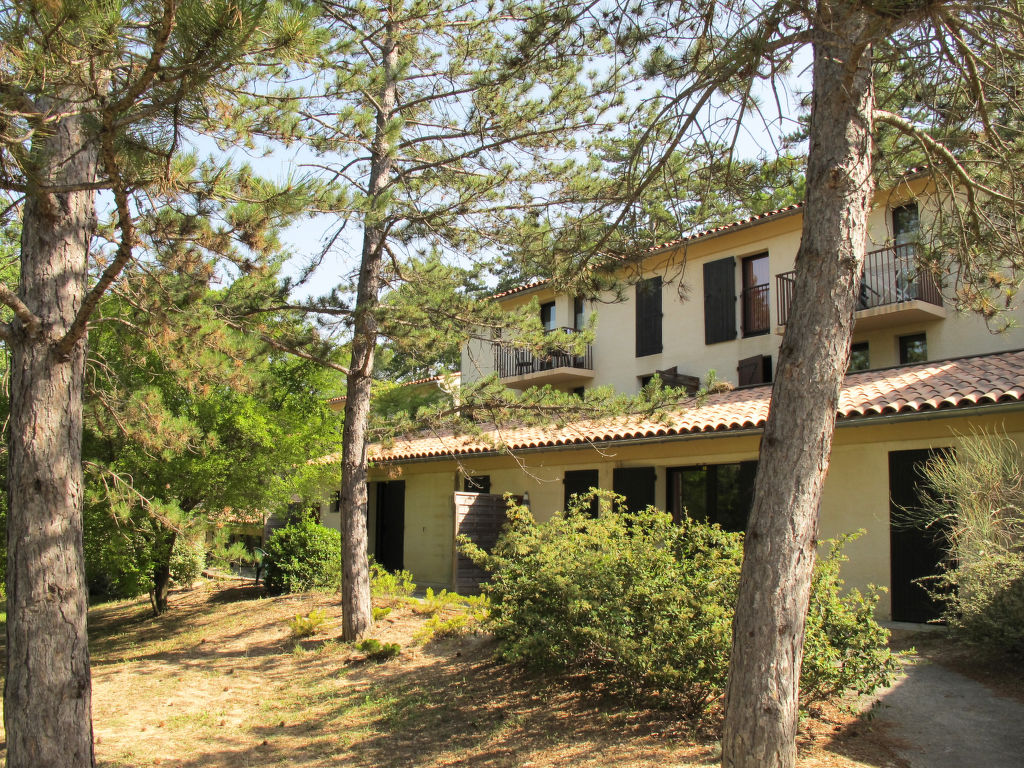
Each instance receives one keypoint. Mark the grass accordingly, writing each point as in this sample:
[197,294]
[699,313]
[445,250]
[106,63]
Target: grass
[219,680]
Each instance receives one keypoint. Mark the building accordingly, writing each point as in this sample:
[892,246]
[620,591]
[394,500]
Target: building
[920,375]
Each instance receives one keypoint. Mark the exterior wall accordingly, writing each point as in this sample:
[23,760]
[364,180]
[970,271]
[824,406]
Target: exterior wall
[614,349]
[856,494]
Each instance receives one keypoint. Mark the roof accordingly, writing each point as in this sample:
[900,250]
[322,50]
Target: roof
[698,235]
[914,389]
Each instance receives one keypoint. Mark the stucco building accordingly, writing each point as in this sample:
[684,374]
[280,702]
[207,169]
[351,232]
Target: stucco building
[920,376]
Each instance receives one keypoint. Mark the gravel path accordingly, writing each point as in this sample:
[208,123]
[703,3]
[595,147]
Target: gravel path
[942,719]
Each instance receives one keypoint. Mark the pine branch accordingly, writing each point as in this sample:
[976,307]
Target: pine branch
[29,320]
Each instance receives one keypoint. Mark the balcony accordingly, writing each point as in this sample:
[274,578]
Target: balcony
[520,368]
[892,291]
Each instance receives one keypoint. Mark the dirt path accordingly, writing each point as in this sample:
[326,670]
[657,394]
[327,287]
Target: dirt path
[939,718]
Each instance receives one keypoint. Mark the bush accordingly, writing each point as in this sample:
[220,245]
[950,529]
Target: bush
[976,498]
[303,555]
[375,650]
[188,559]
[644,607]
[307,626]
[384,583]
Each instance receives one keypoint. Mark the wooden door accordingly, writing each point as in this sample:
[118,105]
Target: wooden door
[914,550]
[390,549]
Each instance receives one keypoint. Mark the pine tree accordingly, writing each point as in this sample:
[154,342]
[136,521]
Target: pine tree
[437,119]
[93,96]
[944,79]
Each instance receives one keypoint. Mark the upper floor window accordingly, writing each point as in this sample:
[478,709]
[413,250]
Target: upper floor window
[905,224]
[720,300]
[577,313]
[756,319]
[913,348]
[547,316]
[648,317]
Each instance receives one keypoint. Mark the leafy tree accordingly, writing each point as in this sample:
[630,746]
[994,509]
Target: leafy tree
[98,96]
[945,79]
[181,429]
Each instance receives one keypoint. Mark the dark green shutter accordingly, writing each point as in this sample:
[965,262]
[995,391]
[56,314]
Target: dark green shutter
[581,481]
[636,484]
[648,317]
[720,301]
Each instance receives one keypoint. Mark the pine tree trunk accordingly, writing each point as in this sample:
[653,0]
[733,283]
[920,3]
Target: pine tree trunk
[162,573]
[779,552]
[357,614]
[47,697]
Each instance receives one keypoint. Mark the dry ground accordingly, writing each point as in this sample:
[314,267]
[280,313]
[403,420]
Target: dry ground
[218,681]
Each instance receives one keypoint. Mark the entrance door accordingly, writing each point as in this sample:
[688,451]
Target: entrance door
[390,550]
[914,551]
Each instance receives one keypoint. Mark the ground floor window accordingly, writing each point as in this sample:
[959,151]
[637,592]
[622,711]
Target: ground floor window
[714,493]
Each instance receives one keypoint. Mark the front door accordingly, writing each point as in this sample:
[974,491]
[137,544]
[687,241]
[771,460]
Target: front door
[390,550]
[915,551]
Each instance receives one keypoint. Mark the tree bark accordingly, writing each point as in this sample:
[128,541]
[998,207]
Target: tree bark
[357,614]
[162,572]
[47,696]
[779,551]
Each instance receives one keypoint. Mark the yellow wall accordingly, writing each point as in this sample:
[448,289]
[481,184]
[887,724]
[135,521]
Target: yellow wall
[855,496]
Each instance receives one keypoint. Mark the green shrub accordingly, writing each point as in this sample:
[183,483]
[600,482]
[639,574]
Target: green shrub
[976,498]
[308,625]
[439,627]
[188,559]
[385,584]
[644,607]
[378,651]
[303,555]
[380,612]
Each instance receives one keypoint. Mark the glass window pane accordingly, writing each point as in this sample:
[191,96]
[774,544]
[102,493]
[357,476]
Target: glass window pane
[693,492]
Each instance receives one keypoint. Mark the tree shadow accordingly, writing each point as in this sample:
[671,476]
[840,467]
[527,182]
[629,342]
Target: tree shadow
[461,707]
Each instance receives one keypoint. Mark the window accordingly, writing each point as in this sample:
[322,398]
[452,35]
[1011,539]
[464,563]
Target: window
[476,484]
[713,493]
[579,391]
[905,224]
[648,317]
[860,360]
[578,319]
[645,380]
[720,301]
[547,316]
[581,481]
[336,503]
[756,318]
[913,349]
[754,370]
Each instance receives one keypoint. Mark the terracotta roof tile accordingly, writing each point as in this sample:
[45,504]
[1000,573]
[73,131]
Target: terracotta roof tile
[959,383]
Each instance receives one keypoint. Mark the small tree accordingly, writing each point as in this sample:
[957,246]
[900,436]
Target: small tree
[975,502]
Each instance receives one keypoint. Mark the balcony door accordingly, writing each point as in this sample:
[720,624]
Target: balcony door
[756,320]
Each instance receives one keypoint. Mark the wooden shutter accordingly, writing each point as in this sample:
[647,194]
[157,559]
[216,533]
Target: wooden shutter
[754,370]
[648,317]
[636,484]
[720,301]
[581,481]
